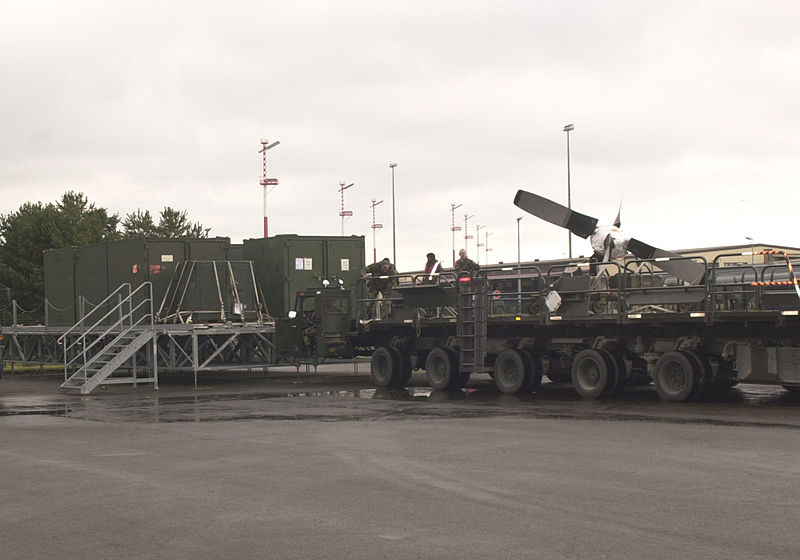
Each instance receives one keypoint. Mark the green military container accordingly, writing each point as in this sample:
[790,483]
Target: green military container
[91,278]
[285,264]
[155,260]
[101,268]
[59,285]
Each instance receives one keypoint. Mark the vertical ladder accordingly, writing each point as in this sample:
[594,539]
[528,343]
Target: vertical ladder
[471,323]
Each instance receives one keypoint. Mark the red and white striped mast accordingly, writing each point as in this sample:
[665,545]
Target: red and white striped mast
[265,182]
[453,227]
[344,213]
[374,226]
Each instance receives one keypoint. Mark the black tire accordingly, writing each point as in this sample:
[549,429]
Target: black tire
[404,367]
[590,373]
[461,379]
[616,373]
[674,376]
[509,372]
[383,367]
[533,371]
[440,369]
[702,375]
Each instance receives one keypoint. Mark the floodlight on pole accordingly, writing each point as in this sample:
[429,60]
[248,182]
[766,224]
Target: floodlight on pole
[394,229]
[344,212]
[265,182]
[374,227]
[453,227]
[567,129]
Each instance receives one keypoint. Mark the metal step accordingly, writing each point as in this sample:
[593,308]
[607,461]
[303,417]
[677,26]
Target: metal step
[87,378]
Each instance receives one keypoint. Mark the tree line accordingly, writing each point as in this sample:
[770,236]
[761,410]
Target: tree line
[70,222]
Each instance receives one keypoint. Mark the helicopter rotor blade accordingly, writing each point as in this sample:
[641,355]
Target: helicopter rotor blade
[549,211]
[686,269]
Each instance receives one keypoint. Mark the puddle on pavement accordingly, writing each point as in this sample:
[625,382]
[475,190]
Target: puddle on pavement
[553,400]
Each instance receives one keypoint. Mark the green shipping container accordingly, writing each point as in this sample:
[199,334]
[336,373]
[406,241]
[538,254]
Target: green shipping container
[285,264]
[59,285]
[100,268]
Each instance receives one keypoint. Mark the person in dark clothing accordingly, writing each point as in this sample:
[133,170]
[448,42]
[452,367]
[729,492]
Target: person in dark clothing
[432,269]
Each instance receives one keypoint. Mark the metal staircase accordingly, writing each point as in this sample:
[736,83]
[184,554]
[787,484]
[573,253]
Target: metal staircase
[121,325]
[471,323]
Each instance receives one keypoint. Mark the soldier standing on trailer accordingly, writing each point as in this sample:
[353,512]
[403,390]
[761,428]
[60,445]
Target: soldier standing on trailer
[465,264]
[432,269]
[383,278]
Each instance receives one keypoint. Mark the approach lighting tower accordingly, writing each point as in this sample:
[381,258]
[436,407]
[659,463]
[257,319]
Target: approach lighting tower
[265,182]
[343,213]
[467,236]
[374,227]
[486,245]
[478,243]
[453,227]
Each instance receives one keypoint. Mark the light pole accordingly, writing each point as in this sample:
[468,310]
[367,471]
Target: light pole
[567,129]
[344,212]
[394,230]
[374,227]
[453,227]
[265,182]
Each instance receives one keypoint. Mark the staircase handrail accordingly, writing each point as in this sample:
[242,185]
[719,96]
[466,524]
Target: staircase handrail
[117,324]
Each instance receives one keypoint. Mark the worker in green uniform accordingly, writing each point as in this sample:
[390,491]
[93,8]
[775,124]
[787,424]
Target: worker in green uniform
[465,264]
[382,277]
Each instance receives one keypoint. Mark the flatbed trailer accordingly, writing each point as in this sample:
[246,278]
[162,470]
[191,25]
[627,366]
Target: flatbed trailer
[600,332]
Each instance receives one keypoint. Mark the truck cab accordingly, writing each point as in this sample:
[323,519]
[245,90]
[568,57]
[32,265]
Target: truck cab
[318,327]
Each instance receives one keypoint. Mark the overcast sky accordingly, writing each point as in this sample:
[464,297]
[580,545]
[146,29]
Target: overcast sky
[686,112]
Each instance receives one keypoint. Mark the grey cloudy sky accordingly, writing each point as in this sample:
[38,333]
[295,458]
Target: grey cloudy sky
[687,112]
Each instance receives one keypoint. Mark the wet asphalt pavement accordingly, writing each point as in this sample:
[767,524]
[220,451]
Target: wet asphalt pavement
[326,466]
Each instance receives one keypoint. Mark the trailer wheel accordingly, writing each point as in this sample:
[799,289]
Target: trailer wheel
[440,369]
[590,373]
[509,372]
[461,379]
[616,373]
[404,367]
[383,367]
[702,375]
[533,371]
[675,376]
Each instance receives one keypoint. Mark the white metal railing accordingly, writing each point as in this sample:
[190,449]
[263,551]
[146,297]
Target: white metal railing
[125,320]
